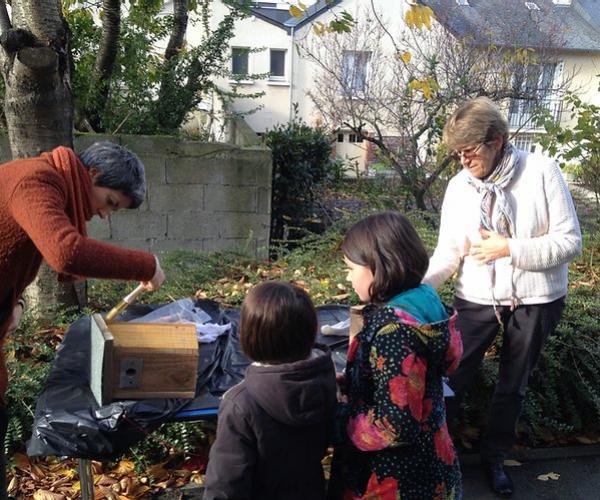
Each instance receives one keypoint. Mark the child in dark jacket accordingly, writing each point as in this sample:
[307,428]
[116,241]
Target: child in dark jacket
[272,430]
[394,441]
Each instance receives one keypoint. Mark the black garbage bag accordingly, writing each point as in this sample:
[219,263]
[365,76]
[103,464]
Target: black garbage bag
[69,422]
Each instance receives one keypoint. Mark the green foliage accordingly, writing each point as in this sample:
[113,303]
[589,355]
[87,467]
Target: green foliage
[579,143]
[28,362]
[301,162]
[179,440]
[146,94]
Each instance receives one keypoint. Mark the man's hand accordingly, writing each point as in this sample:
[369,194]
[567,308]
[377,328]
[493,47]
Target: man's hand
[492,246]
[157,280]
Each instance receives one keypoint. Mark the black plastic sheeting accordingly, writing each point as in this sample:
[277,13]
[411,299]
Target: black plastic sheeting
[68,421]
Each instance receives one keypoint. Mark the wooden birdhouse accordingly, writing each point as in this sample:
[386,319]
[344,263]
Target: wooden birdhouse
[142,360]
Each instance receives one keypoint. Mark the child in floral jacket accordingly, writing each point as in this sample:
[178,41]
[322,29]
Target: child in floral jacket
[394,421]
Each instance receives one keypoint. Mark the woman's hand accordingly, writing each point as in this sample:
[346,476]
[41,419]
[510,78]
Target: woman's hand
[157,280]
[492,246]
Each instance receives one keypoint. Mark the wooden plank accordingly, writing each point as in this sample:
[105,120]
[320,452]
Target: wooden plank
[101,353]
[155,335]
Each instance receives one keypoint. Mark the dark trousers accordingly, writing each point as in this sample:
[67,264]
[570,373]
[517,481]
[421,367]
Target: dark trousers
[3,426]
[525,331]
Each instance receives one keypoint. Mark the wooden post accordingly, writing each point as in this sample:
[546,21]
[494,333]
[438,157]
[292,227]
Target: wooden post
[86,478]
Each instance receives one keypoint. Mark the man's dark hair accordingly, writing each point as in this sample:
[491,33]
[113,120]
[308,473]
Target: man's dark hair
[278,323]
[389,246]
[120,169]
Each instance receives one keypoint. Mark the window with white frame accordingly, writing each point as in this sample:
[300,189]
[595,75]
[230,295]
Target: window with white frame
[239,61]
[277,67]
[355,70]
[540,83]
[525,142]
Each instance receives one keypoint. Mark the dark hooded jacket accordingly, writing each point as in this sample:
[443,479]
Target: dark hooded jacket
[272,432]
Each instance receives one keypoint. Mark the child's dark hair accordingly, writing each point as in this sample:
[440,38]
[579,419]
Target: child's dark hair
[389,246]
[278,323]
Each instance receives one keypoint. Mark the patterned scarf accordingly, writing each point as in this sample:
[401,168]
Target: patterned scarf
[495,213]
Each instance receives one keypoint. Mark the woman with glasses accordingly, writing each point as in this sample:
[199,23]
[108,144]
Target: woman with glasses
[508,230]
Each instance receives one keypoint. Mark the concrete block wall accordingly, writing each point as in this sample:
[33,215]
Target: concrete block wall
[201,196]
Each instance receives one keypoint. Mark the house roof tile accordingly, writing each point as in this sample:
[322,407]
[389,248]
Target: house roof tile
[573,27]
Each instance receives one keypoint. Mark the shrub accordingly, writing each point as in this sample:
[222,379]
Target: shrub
[301,162]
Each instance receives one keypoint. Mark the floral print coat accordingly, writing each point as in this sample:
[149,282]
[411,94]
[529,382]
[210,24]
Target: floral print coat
[394,423]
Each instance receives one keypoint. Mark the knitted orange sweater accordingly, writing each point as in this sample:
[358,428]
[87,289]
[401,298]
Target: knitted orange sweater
[38,219]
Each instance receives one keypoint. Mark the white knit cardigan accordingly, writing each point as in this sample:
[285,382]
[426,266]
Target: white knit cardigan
[547,237]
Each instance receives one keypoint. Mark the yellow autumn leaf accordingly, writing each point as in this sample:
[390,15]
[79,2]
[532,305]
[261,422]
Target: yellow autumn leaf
[406,57]
[124,467]
[296,11]
[414,85]
[426,90]
[409,18]
[427,16]
[418,16]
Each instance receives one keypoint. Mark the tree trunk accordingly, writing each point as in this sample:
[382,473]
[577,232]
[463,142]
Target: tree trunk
[180,20]
[105,62]
[38,103]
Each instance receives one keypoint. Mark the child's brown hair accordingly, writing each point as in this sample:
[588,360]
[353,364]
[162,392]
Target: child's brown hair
[278,323]
[389,246]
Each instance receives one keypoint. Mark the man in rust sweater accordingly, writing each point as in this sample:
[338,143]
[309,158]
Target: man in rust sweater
[45,203]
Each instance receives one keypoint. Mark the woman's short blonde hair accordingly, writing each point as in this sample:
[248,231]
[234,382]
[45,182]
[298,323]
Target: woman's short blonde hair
[475,121]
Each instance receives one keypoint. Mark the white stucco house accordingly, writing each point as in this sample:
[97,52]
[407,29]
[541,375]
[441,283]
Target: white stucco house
[268,43]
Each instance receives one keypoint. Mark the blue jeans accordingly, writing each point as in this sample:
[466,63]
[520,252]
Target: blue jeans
[525,331]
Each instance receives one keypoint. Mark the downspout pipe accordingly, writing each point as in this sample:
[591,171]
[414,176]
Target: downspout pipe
[291,103]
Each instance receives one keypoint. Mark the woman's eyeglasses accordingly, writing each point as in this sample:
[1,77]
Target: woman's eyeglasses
[467,153]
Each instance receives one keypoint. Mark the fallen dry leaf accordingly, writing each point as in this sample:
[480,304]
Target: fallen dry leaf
[512,463]
[47,495]
[585,440]
[22,461]
[124,467]
[551,475]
